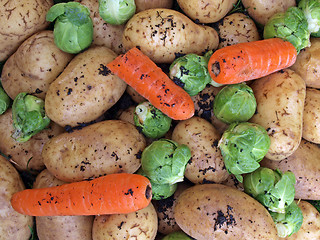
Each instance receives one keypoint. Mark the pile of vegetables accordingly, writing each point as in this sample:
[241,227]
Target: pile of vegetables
[176,119]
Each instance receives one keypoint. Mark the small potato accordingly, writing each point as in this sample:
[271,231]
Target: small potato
[206,163]
[142,5]
[237,28]
[13,225]
[111,146]
[280,101]
[127,114]
[60,227]
[136,97]
[139,225]
[215,211]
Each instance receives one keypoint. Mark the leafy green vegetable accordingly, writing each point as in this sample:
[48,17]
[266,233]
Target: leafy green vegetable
[311,10]
[5,100]
[116,12]
[179,235]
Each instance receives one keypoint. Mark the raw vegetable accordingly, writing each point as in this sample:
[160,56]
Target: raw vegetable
[29,117]
[251,60]
[311,10]
[116,12]
[179,235]
[141,73]
[110,194]
[235,103]
[151,121]
[73,28]
[4,100]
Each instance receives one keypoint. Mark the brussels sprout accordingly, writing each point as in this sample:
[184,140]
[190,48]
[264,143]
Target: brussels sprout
[28,116]
[289,222]
[152,122]
[291,26]
[4,101]
[311,10]
[164,161]
[179,235]
[243,146]
[272,188]
[73,28]
[116,12]
[235,103]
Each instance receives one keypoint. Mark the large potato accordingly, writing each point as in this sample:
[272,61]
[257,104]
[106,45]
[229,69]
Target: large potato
[13,224]
[111,146]
[35,64]
[84,90]
[19,20]
[206,163]
[280,102]
[215,211]
[162,34]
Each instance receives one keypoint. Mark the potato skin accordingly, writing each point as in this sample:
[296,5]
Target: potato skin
[139,225]
[13,224]
[111,146]
[142,5]
[206,163]
[84,90]
[280,101]
[215,211]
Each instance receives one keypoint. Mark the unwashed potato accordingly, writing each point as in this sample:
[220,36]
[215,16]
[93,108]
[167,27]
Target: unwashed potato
[206,11]
[26,155]
[262,10]
[85,89]
[215,211]
[206,163]
[19,20]
[13,225]
[127,114]
[135,96]
[36,63]
[110,146]
[142,5]
[162,34]
[60,227]
[280,102]
[139,225]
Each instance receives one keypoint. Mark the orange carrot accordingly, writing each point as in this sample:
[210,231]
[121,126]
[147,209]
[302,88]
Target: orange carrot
[110,194]
[251,60]
[143,75]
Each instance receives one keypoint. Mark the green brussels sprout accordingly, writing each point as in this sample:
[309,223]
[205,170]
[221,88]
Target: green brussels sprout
[4,100]
[152,122]
[73,28]
[272,188]
[311,10]
[29,117]
[179,235]
[243,145]
[289,222]
[116,12]
[164,161]
[235,103]
[291,25]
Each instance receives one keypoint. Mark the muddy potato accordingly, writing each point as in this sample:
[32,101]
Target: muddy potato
[127,114]
[139,225]
[136,97]
[60,227]
[85,89]
[215,211]
[111,146]
[13,224]
[36,63]
[206,163]
[142,5]
[280,101]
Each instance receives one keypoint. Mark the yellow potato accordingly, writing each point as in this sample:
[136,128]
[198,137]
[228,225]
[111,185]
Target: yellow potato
[142,5]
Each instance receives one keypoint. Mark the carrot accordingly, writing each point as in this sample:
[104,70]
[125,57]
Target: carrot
[251,60]
[143,75]
[110,194]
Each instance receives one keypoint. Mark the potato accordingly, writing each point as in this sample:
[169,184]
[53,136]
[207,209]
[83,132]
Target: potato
[26,155]
[162,34]
[142,5]
[215,211]
[13,224]
[60,227]
[206,163]
[85,89]
[262,10]
[206,11]
[136,97]
[139,225]
[232,181]
[32,68]
[280,101]
[307,64]
[127,114]
[305,164]
[111,146]
[237,28]
[19,20]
